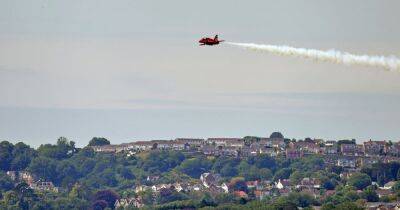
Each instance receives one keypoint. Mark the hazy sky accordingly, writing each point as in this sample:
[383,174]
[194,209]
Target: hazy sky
[132,70]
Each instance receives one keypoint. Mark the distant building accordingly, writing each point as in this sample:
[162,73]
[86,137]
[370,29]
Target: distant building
[13,175]
[292,153]
[374,148]
[26,177]
[348,149]
[43,186]
[128,202]
[234,142]
[144,145]
[307,147]
[331,148]
[208,179]
[191,141]
[393,150]
[346,162]
[282,184]
[105,148]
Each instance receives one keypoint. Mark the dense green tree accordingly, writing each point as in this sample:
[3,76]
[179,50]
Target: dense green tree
[5,182]
[80,191]
[238,184]
[195,167]
[296,177]
[44,168]
[67,174]
[161,161]
[66,203]
[359,180]
[262,161]
[224,198]
[6,156]
[127,173]
[284,203]
[63,149]
[370,195]
[302,199]
[98,141]
[22,156]
[109,196]
[396,188]
[167,195]
[276,135]
[228,171]
[283,173]
[342,206]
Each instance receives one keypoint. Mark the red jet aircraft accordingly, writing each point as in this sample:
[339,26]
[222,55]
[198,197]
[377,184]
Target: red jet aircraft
[210,41]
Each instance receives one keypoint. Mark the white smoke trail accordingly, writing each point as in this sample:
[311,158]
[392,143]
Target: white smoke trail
[389,63]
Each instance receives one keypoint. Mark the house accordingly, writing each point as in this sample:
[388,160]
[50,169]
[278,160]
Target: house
[209,150]
[284,191]
[383,192]
[368,161]
[307,147]
[228,151]
[195,187]
[331,149]
[162,144]
[13,175]
[389,185]
[261,194]
[393,150]
[240,194]
[252,184]
[359,150]
[276,142]
[348,149]
[388,159]
[157,188]
[43,186]
[374,148]
[26,177]
[224,187]
[128,202]
[311,183]
[346,162]
[152,178]
[208,179]
[180,145]
[179,187]
[191,141]
[252,150]
[330,143]
[292,153]
[270,151]
[125,147]
[143,145]
[141,188]
[105,148]
[284,183]
[235,142]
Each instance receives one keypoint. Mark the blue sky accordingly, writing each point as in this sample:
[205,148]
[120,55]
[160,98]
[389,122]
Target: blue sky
[131,70]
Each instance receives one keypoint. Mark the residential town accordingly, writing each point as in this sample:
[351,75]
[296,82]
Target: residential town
[225,170]
[345,153]
[348,154]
